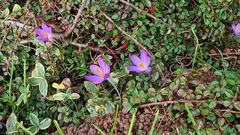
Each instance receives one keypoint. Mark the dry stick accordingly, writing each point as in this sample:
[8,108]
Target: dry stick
[149,15]
[177,101]
[61,36]
[92,48]
[125,33]
[228,110]
[15,46]
[69,31]
[231,53]
[15,24]
[4,37]
[100,50]
[78,44]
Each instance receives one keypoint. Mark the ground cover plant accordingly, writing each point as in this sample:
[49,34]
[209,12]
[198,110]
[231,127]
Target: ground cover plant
[119,67]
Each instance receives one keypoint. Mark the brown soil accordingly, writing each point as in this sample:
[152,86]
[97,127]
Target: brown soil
[143,123]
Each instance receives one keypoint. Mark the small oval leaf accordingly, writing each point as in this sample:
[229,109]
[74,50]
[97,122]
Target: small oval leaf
[44,124]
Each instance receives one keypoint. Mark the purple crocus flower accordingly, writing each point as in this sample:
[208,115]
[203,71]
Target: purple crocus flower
[236,29]
[142,63]
[101,73]
[44,34]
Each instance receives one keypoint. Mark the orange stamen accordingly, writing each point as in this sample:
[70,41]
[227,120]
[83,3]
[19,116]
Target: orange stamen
[44,34]
[100,72]
[142,66]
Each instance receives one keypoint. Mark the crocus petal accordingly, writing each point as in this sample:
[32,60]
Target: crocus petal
[237,29]
[40,32]
[96,70]
[233,26]
[147,62]
[238,25]
[149,69]
[145,58]
[40,38]
[103,65]
[143,55]
[94,79]
[46,28]
[135,60]
[134,69]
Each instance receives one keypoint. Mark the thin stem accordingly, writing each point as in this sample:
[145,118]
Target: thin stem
[75,105]
[24,82]
[196,49]
[10,83]
[24,129]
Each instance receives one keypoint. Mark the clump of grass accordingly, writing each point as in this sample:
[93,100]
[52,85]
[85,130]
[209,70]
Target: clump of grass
[115,121]
[131,123]
[154,123]
[59,130]
[196,48]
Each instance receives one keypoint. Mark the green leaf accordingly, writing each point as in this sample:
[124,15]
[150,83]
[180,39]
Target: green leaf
[16,8]
[34,129]
[238,127]
[75,96]
[20,99]
[44,124]
[212,104]
[218,73]
[148,3]
[58,97]
[221,121]
[231,82]
[6,11]
[41,82]
[227,103]
[43,87]
[119,74]
[211,116]
[11,123]
[204,111]
[34,119]
[34,81]
[115,16]
[92,88]
[139,23]
[229,93]
[40,71]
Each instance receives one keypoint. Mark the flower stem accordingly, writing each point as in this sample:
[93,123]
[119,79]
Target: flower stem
[115,87]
